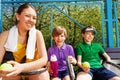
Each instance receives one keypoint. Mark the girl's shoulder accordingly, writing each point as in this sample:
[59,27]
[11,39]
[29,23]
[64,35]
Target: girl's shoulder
[4,34]
[3,37]
[38,32]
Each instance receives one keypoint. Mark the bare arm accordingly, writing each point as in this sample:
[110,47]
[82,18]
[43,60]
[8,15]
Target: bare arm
[107,57]
[3,38]
[79,63]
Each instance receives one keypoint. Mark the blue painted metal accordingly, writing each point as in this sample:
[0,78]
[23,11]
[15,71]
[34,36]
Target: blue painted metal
[33,1]
[69,4]
[116,26]
[109,23]
[0,17]
[43,10]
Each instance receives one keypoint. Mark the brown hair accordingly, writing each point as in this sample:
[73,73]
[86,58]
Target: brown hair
[24,6]
[59,30]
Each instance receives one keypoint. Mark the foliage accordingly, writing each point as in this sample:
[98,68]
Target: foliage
[83,14]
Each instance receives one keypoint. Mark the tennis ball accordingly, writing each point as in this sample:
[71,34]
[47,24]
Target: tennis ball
[86,64]
[6,66]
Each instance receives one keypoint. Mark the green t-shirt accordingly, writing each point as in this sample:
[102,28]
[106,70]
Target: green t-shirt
[90,53]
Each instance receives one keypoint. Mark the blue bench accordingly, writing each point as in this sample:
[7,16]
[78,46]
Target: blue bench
[114,53]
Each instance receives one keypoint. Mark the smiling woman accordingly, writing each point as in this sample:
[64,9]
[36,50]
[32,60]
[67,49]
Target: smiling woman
[27,17]
[25,44]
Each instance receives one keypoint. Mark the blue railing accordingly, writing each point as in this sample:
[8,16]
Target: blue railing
[109,21]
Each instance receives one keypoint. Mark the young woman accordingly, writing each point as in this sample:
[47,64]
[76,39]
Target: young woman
[26,46]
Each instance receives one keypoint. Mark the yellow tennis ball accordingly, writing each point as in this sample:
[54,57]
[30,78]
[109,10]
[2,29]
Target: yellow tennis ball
[86,64]
[6,66]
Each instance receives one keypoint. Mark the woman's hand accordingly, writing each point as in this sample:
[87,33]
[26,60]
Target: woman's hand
[48,68]
[17,68]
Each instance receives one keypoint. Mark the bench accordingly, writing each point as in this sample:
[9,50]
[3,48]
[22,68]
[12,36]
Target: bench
[114,53]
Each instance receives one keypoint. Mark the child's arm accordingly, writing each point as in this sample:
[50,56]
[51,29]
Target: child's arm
[79,63]
[107,57]
[3,38]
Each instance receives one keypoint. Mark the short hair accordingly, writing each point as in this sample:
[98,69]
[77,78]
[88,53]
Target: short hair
[59,30]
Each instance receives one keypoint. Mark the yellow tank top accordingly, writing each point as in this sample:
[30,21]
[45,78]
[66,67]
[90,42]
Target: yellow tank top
[20,53]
